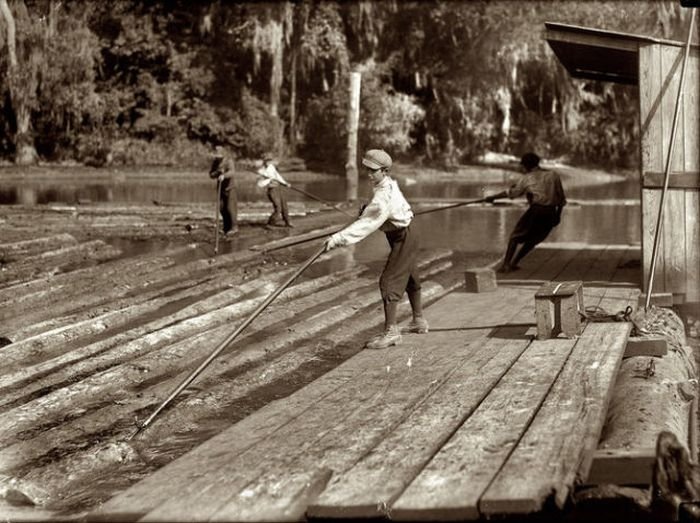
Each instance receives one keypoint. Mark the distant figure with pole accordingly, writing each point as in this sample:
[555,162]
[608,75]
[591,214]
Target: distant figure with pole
[389,212]
[545,195]
[272,180]
[222,169]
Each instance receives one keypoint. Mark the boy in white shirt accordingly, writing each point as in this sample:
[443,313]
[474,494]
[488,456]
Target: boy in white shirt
[272,180]
[389,212]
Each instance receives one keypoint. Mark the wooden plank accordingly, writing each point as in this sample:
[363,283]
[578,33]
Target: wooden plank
[691,110]
[297,238]
[375,482]
[671,65]
[621,467]
[580,265]
[450,485]
[599,39]
[270,477]
[649,107]
[564,435]
[603,268]
[204,462]
[676,180]
[651,198]
[674,242]
[692,246]
[653,346]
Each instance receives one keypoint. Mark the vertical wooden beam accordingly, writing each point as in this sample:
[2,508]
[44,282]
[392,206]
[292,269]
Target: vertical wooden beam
[692,164]
[353,125]
[673,228]
[650,83]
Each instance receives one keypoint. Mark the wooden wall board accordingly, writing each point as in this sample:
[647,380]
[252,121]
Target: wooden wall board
[564,434]
[671,65]
[691,114]
[692,246]
[674,242]
[649,107]
[386,375]
[450,485]
[676,180]
[651,199]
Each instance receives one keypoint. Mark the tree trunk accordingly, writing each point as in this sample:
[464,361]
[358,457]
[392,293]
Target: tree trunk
[352,128]
[293,104]
[11,42]
[25,153]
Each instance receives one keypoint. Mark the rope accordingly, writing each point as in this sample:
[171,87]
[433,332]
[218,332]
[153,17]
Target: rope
[594,313]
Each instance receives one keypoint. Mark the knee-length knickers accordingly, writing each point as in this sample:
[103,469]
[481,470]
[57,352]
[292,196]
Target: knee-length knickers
[400,272]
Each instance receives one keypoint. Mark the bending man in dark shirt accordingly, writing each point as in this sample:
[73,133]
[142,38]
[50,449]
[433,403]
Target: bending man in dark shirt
[545,195]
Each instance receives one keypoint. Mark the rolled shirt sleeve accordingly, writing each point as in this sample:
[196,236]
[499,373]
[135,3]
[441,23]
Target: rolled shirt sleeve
[387,210]
[270,174]
[374,215]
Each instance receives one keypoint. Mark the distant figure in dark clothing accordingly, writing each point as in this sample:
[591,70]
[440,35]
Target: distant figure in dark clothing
[222,169]
[545,195]
[272,180]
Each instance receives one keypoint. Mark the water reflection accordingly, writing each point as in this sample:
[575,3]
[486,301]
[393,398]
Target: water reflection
[482,229]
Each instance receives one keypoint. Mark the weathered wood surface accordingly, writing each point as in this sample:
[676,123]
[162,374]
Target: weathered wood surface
[379,432]
[9,251]
[678,268]
[79,375]
[62,259]
[621,467]
[564,435]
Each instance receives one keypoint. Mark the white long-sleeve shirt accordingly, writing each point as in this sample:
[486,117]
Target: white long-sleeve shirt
[387,210]
[270,176]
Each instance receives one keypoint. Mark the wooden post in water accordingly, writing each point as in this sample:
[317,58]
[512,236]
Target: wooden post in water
[353,125]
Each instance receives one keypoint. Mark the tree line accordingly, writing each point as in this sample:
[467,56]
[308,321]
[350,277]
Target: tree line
[159,82]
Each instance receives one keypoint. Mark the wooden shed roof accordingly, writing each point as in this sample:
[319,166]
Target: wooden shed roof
[598,54]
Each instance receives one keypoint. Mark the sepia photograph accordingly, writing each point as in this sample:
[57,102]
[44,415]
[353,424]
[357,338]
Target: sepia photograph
[341,260]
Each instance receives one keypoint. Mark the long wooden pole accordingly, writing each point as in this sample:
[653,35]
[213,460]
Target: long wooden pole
[216,216]
[341,227]
[313,197]
[227,341]
[667,170]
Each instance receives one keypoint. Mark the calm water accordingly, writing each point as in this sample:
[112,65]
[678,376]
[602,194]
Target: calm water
[606,213]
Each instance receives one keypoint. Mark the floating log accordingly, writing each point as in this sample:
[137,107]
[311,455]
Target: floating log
[11,251]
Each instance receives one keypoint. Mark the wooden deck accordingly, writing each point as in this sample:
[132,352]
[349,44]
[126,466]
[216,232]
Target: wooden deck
[474,419]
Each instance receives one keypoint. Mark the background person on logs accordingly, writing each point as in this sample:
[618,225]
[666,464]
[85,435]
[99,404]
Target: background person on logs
[222,169]
[545,195]
[390,212]
[272,180]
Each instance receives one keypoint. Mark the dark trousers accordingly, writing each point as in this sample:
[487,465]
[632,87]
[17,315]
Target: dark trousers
[280,214]
[228,206]
[532,228]
[400,272]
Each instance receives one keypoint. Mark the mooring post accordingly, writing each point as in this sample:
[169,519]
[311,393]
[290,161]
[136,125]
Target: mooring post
[353,125]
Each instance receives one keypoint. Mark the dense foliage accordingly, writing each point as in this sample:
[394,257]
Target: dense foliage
[158,81]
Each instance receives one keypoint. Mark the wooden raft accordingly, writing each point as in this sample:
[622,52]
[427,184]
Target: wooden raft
[474,419]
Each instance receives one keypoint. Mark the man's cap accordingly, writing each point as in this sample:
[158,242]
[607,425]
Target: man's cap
[530,160]
[376,159]
[218,151]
